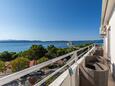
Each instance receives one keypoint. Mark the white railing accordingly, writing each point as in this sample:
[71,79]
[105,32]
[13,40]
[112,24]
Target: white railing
[17,75]
[75,59]
[65,79]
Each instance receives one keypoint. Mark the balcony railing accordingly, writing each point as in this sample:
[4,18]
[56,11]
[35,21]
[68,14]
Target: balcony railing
[72,64]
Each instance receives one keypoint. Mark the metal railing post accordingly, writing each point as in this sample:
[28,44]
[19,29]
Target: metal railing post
[76,56]
[77,76]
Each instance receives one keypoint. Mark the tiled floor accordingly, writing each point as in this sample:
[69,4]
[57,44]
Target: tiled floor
[111,82]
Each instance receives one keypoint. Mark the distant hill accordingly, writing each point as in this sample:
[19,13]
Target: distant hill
[18,41]
[33,41]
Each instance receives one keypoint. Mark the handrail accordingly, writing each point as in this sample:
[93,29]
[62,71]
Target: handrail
[58,81]
[58,70]
[17,75]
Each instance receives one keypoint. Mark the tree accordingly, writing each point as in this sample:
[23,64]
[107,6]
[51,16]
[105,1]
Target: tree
[7,56]
[61,52]
[29,54]
[19,63]
[52,51]
[2,66]
[39,50]
[35,52]
[83,45]
[43,59]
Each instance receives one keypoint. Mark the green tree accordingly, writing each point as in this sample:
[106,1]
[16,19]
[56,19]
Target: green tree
[29,54]
[2,66]
[61,52]
[35,52]
[19,63]
[39,50]
[7,56]
[52,51]
[43,59]
[83,45]
[69,49]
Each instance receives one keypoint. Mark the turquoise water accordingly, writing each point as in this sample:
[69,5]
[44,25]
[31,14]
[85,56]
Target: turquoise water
[21,46]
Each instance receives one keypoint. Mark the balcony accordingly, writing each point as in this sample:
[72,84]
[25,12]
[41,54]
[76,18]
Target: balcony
[85,67]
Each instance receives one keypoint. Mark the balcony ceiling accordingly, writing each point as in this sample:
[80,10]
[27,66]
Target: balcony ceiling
[107,9]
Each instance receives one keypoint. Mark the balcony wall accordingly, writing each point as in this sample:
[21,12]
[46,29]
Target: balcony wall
[112,41]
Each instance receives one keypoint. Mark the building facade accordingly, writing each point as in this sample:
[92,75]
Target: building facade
[107,31]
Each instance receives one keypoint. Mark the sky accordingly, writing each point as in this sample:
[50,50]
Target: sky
[50,19]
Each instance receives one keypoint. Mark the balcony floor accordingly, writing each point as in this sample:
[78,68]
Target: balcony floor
[111,82]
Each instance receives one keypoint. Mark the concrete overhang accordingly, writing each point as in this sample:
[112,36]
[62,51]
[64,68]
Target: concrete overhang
[108,7]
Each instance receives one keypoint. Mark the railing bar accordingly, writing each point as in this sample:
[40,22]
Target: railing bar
[72,57]
[42,81]
[82,53]
[80,60]
[19,74]
[77,63]
[45,79]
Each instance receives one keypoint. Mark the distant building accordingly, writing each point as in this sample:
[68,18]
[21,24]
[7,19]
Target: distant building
[69,44]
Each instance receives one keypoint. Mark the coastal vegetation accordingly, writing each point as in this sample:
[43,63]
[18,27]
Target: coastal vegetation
[19,63]
[2,66]
[34,55]
[35,52]
[43,59]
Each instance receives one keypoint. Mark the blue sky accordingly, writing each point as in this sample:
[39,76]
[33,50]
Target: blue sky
[50,19]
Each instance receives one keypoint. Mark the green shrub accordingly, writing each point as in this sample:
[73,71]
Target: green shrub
[52,51]
[7,56]
[43,59]
[35,52]
[19,63]
[2,66]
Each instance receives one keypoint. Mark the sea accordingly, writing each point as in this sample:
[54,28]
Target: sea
[14,46]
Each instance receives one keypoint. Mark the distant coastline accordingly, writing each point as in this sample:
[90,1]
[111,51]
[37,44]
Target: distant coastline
[21,45]
[32,41]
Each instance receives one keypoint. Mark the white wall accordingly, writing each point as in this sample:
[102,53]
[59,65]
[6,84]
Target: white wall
[112,37]
[106,40]
[112,41]
[105,46]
